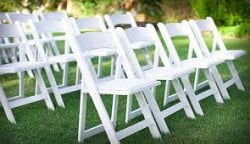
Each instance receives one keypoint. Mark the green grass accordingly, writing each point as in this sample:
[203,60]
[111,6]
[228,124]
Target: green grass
[226,123]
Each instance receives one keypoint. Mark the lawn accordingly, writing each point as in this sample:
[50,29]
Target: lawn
[222,123]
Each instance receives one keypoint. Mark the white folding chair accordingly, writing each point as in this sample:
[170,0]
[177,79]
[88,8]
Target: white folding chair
[193,58]
[40,32]
[53,48]
[23,19]
[89,45]
[14,31]
[88,24]
[208,25]
[131,37]
[127,19]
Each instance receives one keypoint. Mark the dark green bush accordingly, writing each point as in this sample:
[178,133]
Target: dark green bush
[244,29]
[225,12]
[9,5]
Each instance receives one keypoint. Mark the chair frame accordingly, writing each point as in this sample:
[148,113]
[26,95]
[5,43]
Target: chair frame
[15,30]
[169,31]
[183,104]
[80,51]
[208,25]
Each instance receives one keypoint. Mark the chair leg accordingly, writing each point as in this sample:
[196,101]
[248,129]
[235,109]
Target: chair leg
[128,108]
[147,115]
[78,75]
[235,75]
[82,116]
[65,74]
[99,68]
[54,87]
[29,72]
[21,84]
[213,86]
[196,79]
[114,109]
[103,114]
[43,90]
[64,66]
[183,98]
[166,93]
[156,112]
[5,56]
[220,83]
[50,53]
[6,107]
[195,102]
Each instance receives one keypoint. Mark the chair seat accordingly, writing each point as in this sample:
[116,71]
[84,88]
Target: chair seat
[20,66]
[168,73]
[141,44]
[124,86]
[229,54]
[202,62]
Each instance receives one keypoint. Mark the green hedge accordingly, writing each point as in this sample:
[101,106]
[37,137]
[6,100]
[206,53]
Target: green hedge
[225,12]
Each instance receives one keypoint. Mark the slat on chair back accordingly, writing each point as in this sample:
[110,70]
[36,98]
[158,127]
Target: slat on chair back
[137,34]
[55,16]
[13,17]
[96,40]
[91,23]
[49,27]
[118,19]
[204,25]
[176,29]
[9,30]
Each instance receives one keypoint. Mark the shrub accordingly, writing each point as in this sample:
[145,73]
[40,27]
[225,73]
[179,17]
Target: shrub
[225,12]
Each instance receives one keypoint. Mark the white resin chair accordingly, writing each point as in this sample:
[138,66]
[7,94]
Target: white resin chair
[218,50]
[20,66]
[23,19]
[40,31]
[120,19]
[84,48]
[127,20]
[193,58]
[88,24]
[53,48]
[167,72]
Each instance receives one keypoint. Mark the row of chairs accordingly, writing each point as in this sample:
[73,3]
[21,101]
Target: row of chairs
[128,75]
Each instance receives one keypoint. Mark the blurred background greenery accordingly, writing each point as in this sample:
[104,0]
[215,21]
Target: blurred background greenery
[233,13]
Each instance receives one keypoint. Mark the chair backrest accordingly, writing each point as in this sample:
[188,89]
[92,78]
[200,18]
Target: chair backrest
[91,23]
[16,39]
[42,33]
[21,17]
[88,24]
[172,30]
[207,25]
[133,35]
[54,16]
[120,19]
[83,44]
